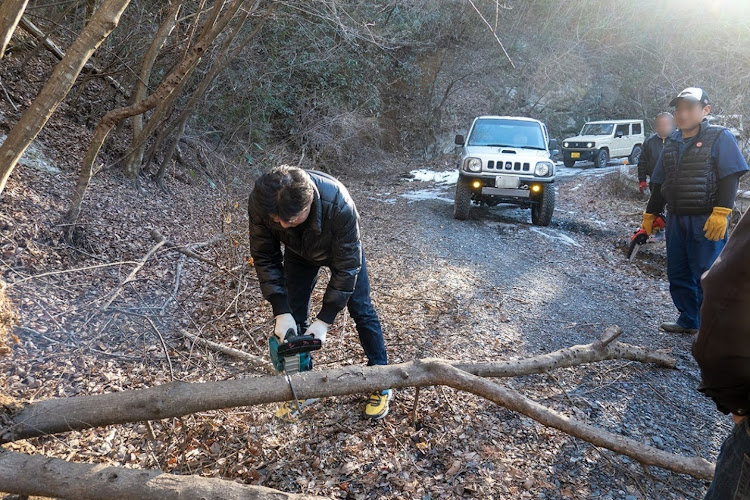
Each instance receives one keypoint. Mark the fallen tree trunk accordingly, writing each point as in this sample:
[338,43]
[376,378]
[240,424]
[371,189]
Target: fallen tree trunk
[52,477]
[181,398]
[177,399]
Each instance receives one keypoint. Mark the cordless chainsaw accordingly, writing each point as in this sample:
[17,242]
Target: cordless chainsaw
[293,355]
[640,237]
[290,357]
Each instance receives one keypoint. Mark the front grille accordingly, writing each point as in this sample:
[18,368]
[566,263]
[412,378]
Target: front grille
[581,145]
[509,166]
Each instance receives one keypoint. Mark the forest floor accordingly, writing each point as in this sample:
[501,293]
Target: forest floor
[493,287]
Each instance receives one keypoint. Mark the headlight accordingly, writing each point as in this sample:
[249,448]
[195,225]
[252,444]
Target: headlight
[590,145]
[566,144]
[473,164]
[543,169]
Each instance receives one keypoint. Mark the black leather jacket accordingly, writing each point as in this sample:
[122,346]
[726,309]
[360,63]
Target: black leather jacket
[329,237]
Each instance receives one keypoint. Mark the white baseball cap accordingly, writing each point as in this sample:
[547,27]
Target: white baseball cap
[694,94]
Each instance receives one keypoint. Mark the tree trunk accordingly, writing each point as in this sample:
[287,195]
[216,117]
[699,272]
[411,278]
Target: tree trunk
[181,398]
[104,20]
[11,12]
[52,477]
[164,91]
[141,83]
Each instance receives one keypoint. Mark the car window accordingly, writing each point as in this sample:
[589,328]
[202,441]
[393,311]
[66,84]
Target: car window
[624,128]
[636,128]
[508,133]
[597,129]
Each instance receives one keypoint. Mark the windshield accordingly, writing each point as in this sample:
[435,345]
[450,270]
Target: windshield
[507,133]
[597,129]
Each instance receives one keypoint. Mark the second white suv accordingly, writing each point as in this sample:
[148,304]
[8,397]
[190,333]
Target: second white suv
[601,140]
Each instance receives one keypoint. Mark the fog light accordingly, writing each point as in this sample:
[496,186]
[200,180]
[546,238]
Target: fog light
[536,188]
[477,184]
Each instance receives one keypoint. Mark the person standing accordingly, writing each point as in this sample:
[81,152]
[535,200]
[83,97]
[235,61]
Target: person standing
[722,350]
[314,217]
[663,127]
[696,176]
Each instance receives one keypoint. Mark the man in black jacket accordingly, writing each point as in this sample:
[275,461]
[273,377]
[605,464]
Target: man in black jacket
[722,349]
[696,176]
[312,214]
[663,126]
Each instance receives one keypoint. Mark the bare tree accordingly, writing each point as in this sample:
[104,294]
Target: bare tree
[178,125]
[214,26]
[141,83]
[103,21]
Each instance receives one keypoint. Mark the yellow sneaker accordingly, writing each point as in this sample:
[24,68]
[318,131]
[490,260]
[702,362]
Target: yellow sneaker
[377,406]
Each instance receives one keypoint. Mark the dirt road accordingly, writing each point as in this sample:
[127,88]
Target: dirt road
[513,288]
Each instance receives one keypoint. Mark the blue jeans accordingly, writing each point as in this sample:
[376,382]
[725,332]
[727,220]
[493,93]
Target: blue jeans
[301,277]
[732,476]
[689,255]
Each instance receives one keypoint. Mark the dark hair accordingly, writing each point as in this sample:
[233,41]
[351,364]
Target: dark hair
[284,191]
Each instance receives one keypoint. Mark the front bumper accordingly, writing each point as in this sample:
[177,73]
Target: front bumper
[488,179]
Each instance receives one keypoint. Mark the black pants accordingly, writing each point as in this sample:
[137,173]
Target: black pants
[301,277]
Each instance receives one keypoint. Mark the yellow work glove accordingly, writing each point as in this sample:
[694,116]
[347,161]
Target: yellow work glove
[716,225]
[648,223]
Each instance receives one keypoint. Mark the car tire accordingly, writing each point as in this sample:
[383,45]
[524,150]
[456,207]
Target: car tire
[543,206]
[568,162]
[635,155]
[602,158]
[462,199]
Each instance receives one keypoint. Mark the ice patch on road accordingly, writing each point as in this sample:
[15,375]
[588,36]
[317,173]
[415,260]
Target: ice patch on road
[425,175]
[427,194]
[556,236]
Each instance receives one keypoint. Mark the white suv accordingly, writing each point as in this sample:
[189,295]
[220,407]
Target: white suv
[601,140]
[506,159]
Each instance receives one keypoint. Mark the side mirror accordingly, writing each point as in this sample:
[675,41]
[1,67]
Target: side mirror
[554,152]
[459,140]
[553,145]
[618,134]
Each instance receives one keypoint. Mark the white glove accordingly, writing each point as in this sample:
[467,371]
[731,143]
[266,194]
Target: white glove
[318,330]
[284,323]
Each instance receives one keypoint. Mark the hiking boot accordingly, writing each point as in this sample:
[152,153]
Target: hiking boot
[675,328]
[377,406]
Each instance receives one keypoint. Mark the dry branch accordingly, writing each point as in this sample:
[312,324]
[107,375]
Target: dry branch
[132,274]
[260,363]
[52,477]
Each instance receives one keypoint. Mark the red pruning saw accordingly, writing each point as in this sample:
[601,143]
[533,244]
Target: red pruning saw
[640,237]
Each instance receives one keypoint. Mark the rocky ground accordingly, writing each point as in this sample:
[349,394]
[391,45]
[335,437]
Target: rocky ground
[492,287]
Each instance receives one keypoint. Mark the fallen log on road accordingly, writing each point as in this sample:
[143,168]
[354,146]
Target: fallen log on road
[181,398]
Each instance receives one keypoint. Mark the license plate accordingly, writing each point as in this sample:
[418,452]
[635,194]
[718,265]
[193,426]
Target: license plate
[575,155]
[507,181]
